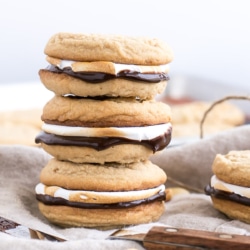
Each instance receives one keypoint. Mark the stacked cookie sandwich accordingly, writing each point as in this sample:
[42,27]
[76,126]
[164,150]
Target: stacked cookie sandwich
[101,127]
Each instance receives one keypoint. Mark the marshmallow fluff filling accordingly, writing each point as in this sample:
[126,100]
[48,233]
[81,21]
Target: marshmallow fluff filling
[226,191]
[155,137]
[132,133]
[118,67]
[97,72]
[53,195]
[223,186]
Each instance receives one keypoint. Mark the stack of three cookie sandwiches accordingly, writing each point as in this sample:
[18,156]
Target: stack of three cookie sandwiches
[101,127]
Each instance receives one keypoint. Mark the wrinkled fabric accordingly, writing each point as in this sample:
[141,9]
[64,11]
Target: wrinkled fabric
[190,164]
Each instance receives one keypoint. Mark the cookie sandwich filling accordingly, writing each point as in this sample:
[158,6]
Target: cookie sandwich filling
[53,195]
[223,190]
[95,72]
[156,137]
[133,133]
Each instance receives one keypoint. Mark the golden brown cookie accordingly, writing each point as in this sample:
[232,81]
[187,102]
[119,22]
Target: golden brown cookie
[109,112]
[63,84]
[114,48]
[108,177]
[233,209]
[103,219]
[126,153]
[233,168]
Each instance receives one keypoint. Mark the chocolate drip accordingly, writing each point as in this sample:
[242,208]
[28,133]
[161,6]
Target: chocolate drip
[49,200]
[102,143]
[97,77]
[226,195]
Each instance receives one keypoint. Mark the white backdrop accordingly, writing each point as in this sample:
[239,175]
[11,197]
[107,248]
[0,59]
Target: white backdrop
[210,39]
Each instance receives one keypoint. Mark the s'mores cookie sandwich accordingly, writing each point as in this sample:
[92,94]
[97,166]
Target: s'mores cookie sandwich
[230,185]
[104,88]
[106,65]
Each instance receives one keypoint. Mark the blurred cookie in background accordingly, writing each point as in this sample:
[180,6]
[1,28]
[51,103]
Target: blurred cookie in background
[187,117]
[20,127]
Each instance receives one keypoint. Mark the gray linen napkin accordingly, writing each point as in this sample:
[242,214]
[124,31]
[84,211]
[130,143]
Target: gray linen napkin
[19,173]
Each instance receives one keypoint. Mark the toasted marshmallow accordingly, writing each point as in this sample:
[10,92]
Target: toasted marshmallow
[107,67]
[97,197]
[133,133]
[223,186]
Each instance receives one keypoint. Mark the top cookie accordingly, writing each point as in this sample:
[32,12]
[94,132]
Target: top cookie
[114,48]
[233,168]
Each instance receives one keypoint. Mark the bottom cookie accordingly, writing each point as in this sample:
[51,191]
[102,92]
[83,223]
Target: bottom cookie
[232,209]
[107,218]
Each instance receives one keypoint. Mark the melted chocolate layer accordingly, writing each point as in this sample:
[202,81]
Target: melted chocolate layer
[101,143]
[49,200]
[97,77]
[226,195]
